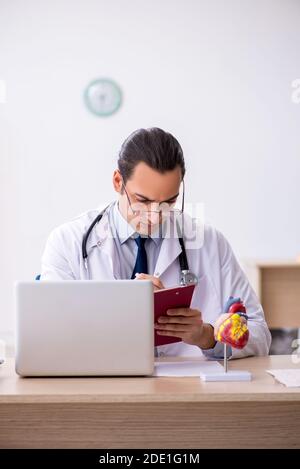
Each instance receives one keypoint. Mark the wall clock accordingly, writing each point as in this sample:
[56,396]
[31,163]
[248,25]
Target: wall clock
[103,97]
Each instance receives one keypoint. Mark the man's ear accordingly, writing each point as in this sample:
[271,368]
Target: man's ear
[117,181]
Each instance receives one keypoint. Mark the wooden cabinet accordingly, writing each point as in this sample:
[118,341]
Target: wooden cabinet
[277,285]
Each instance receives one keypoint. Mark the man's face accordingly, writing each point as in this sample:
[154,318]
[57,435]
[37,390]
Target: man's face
[148,191]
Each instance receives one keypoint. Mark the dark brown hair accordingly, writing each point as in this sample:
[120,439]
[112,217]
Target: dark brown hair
[155,147]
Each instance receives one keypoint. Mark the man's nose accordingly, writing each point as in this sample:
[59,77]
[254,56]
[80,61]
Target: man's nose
[153,217]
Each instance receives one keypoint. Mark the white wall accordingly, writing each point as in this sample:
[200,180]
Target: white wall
[216,74]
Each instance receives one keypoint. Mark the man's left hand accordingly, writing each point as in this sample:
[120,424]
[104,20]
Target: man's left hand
[186,324]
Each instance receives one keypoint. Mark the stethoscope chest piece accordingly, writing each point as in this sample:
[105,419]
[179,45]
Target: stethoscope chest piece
[187,278]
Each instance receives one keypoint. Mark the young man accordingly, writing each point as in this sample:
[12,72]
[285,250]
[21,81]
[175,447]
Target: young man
[136,238]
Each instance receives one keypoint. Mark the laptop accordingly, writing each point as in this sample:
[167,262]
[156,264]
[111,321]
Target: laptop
[84,328]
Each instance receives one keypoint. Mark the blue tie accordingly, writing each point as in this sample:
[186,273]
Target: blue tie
[141,265]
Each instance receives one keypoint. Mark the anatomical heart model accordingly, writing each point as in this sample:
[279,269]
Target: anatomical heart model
[233,331]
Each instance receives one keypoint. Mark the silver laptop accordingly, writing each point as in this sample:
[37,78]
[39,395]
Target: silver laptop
[84,328]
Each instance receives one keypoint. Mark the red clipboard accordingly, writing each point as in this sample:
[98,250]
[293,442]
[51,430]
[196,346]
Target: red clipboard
[168,298]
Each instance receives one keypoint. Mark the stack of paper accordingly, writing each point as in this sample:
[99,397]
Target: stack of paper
[290,377]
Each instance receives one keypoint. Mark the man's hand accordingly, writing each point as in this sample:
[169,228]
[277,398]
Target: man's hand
[157,284]
[187,324]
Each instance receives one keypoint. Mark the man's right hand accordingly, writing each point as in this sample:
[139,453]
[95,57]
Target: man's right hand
[157,284]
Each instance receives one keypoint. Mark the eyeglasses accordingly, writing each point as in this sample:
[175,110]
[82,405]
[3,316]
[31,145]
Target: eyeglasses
[163,207]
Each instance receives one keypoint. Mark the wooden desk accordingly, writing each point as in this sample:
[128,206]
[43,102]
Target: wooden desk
[150,412]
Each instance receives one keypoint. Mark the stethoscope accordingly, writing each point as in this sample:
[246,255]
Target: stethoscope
[186,276]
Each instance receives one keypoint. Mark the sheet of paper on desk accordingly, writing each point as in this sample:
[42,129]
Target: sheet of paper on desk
[186,368]
[290,376]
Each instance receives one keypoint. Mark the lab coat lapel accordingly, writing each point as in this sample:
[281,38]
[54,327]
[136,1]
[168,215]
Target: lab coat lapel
[170,248]
[169,251]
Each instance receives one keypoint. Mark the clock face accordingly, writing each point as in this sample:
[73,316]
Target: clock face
[103,97]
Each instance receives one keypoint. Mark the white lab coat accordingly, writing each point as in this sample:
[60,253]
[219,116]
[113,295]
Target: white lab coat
[219,274]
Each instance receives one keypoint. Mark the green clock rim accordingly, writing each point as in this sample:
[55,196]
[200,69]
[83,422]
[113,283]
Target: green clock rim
[103,80]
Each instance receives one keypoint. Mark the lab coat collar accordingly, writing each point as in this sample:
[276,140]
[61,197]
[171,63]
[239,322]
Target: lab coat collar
[102,237]
[122,228]
[101,231]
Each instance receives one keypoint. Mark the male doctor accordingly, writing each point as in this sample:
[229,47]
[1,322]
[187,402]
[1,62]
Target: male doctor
[135,240]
